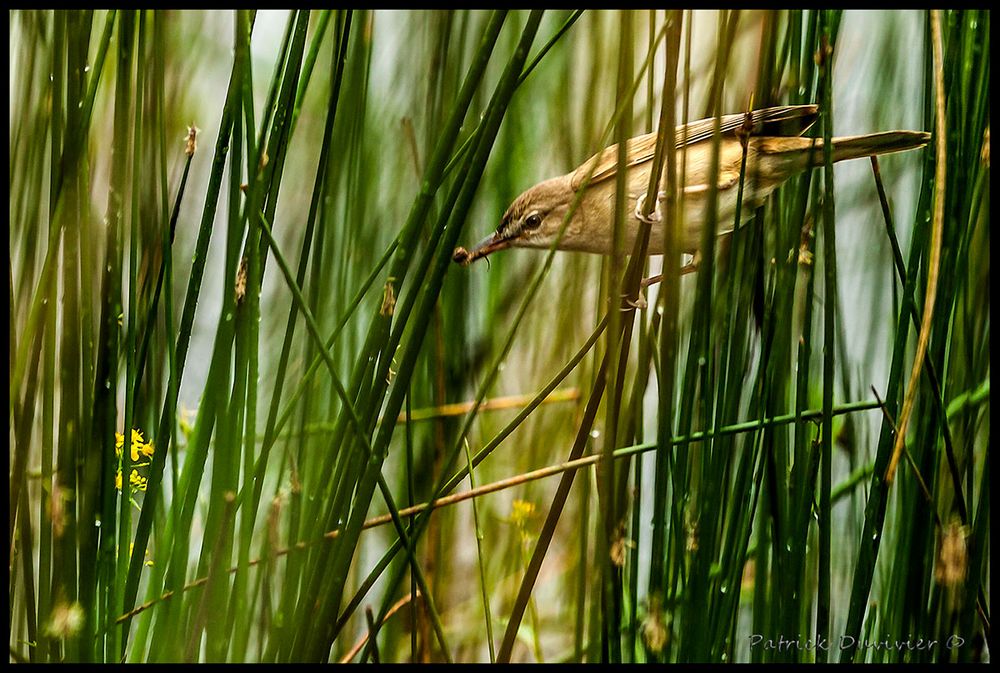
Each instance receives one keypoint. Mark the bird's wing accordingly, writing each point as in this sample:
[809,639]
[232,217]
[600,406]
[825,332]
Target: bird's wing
[604,164]
[783,120]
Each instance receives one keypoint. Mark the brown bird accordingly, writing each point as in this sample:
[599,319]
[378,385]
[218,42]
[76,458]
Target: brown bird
[775,152]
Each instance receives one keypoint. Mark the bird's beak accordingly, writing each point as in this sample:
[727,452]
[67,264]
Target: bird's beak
[491,243]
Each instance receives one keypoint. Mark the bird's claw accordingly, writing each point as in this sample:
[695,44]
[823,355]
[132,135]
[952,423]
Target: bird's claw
[638,303]
[654,217]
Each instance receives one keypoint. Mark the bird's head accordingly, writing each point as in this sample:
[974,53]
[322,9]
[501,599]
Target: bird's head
[533,220]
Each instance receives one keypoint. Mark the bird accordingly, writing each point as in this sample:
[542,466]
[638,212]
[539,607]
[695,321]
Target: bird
[775,151]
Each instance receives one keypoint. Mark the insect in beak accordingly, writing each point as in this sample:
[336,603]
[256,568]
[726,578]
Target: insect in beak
[491,243]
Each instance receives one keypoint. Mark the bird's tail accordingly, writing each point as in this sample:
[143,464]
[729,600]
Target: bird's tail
[854,147]
[847,147]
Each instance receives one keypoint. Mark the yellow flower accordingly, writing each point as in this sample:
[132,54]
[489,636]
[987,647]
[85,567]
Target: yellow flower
[521,511]
[137,444]
[138,481]
[131,548]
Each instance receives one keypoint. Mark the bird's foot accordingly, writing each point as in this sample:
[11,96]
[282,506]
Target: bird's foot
[639,302]
[654,217]
[692,266]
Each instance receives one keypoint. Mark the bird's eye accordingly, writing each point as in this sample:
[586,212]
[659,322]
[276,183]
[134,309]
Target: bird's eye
[533,221]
